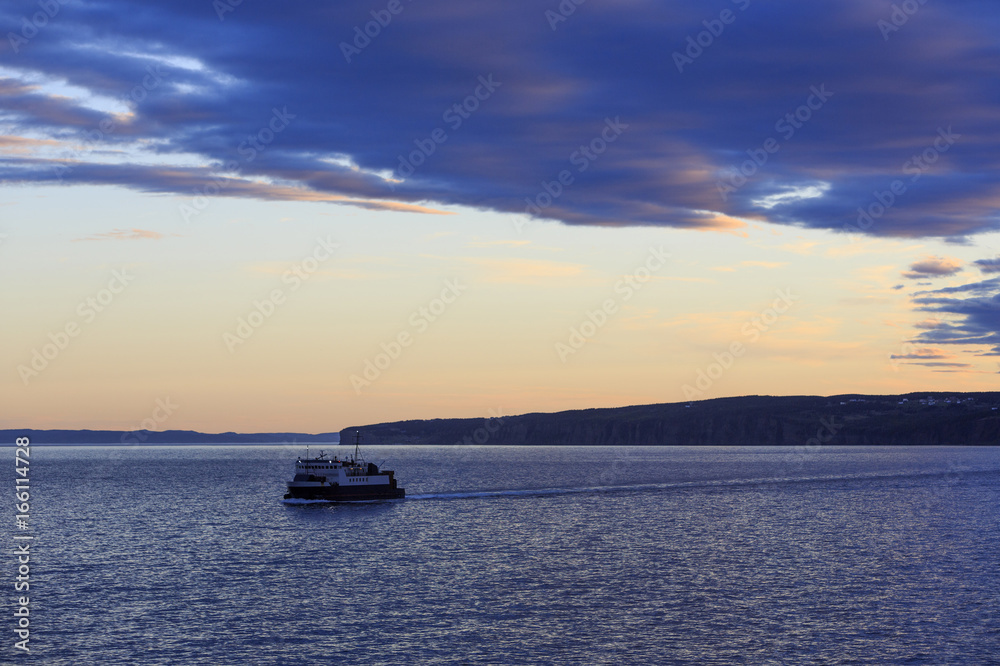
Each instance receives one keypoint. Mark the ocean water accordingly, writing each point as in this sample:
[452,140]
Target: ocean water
[540,555]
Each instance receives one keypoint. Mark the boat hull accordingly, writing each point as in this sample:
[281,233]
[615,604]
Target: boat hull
[344,494]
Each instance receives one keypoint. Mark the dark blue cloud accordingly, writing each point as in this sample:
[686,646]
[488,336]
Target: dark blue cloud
[988,265]
[972,314]
[895,130]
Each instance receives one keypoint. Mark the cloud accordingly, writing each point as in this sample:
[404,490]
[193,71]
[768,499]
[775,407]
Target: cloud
[972,311]
[933,267]
[988,265]
[917,356]
[18,145]
[928,356]
[206,183]
[123,234]
[635,141]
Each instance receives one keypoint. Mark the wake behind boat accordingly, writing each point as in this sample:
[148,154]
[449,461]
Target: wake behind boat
[336,480]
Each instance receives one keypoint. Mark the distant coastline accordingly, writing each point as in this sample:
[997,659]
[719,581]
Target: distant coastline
[924,418]
[159,438]
[920,418]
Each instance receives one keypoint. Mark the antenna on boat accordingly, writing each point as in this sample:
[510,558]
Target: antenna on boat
[357,445]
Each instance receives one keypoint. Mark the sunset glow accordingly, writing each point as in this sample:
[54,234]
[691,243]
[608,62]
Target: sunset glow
[491,209]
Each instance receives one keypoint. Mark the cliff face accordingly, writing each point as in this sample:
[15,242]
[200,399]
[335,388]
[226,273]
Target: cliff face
[912,419]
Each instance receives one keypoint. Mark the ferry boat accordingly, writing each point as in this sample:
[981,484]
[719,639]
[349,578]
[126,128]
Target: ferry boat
[336,480]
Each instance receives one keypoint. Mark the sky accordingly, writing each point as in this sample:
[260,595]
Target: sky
[237,216]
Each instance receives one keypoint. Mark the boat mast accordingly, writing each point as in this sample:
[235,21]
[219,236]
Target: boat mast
[357,444]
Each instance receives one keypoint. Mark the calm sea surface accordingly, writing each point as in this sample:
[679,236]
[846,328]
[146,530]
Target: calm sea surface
[541,555]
